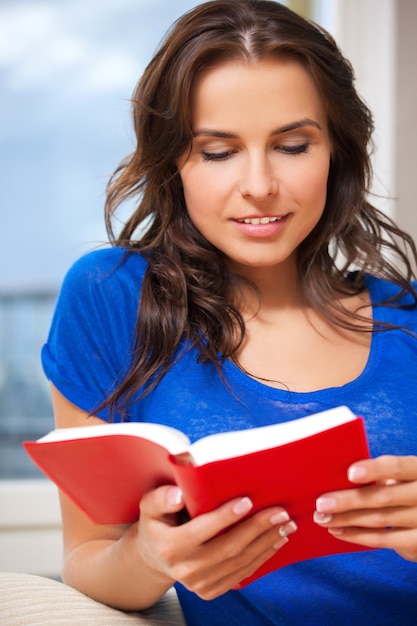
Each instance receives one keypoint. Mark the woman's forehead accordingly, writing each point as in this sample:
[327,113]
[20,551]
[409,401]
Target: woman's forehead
[279,90]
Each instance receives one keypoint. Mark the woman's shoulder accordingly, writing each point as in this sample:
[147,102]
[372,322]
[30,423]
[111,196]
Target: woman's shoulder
[383,290]
[107,267]
[399,306]
[100,290]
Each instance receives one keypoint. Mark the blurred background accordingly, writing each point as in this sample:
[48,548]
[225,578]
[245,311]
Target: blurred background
[67,70]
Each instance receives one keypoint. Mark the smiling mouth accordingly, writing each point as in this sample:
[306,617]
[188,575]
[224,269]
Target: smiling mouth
[259,220]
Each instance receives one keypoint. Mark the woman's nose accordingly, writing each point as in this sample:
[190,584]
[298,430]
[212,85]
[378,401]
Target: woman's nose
[258,179]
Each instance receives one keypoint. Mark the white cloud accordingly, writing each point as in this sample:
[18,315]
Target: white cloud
[21,28]
[43,42]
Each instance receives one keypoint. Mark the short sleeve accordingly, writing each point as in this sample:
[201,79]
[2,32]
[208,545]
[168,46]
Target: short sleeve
[89,343]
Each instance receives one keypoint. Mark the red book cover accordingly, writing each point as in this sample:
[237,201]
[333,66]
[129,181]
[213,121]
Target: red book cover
[106,469]
[292,476]
[104,476]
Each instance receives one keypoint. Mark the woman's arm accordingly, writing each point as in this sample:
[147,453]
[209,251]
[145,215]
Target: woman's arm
[383,512]
[131,567]
[98,558]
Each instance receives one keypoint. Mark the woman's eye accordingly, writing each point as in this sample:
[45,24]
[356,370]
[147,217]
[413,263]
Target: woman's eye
[284,148]
[300,148]
[216,156]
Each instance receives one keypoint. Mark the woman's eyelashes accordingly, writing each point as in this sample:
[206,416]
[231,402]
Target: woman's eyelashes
[216,156]
[295,149]
[290,149]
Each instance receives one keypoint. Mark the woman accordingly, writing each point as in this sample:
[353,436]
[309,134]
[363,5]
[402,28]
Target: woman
[254,283]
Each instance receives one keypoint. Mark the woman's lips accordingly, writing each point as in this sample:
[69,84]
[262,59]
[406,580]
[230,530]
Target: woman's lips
[259,220]
[266,226]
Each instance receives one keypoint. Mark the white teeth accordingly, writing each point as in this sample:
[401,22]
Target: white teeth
[260,220]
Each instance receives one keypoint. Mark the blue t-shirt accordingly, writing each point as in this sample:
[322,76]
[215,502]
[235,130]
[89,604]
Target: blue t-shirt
[86,354]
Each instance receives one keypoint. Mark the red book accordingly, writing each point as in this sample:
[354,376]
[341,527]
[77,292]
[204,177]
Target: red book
[106,469]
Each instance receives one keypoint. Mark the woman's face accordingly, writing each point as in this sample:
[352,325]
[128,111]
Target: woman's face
[255,180]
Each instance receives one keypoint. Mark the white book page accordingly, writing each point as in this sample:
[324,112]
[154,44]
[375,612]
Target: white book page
[170,438]
[213,447]
[232,444]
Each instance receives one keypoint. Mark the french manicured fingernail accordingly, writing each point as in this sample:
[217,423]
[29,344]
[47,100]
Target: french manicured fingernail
[322,518]
[280,518]
[336,531]
[356,472]
[243,506]
[174,496]
[325,504]
[287,529]
[279,544]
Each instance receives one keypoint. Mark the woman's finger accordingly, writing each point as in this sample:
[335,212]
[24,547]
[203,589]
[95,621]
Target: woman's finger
[384,468]
[393,517]
[377,496]
[403,541]
[235,561]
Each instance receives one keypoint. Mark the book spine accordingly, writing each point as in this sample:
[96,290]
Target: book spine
[195,484]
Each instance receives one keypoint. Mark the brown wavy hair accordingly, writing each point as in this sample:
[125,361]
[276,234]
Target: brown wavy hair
[187,296]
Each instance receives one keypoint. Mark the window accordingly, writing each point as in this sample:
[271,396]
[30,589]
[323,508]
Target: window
[67,70]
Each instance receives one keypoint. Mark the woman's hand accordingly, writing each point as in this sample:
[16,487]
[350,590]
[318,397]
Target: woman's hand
[195,554]
[382,514]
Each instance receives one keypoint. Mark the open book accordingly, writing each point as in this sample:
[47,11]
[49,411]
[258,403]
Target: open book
[106,469]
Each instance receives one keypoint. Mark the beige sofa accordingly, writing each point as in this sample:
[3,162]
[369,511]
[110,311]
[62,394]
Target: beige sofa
[28,600]
[31,541]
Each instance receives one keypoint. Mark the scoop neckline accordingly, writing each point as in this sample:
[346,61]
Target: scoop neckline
[232,371]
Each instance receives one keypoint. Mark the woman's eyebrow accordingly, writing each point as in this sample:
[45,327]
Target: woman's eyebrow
[220,134]
[296,125]
[214,133]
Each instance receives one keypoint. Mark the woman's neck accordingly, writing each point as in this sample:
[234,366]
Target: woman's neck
[271,289]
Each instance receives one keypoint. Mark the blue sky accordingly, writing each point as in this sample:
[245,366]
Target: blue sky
[67,70]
